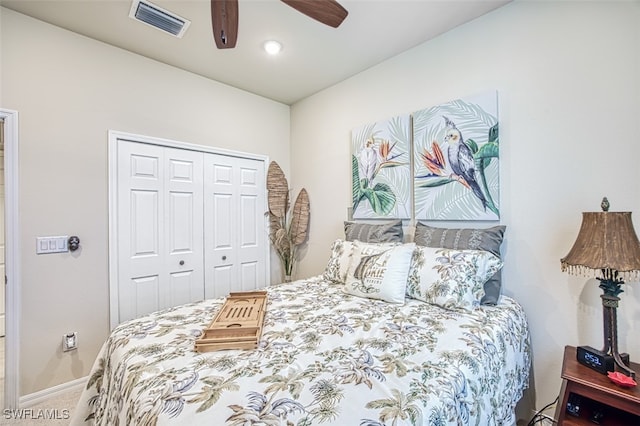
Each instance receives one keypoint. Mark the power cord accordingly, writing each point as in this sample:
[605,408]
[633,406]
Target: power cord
[539,416]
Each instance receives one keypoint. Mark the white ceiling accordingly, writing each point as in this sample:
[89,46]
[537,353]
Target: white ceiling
[314,56]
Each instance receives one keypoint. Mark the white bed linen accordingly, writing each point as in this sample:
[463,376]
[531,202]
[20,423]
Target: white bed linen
[325,357]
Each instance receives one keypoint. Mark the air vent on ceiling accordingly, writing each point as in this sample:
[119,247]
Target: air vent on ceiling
[158,17]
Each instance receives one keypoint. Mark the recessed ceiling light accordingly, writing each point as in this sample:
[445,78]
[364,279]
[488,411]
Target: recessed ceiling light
[272,47]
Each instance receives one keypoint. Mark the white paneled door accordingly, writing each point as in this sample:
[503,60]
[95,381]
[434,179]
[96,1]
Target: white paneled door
[160,228]
[190,225]
[235,237]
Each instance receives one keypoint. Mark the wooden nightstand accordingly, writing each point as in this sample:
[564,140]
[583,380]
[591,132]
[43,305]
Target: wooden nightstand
[595,392]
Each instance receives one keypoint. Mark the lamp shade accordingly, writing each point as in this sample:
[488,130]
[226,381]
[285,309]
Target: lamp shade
[606,240]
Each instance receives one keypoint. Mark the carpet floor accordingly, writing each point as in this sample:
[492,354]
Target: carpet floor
[55,411]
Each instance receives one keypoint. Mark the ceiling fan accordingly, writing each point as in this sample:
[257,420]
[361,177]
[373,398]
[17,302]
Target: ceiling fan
[224,17]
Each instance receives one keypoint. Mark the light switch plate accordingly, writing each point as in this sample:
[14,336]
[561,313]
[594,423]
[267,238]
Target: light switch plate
[57,244]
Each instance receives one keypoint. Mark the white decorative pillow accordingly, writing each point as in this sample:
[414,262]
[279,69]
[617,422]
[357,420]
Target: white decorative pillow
[379,272]
[450,278]
[338,264]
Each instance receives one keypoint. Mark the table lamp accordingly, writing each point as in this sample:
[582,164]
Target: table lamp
[606,243]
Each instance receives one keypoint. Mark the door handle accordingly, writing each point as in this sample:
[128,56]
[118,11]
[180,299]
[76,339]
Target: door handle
[181,262]
[224,257]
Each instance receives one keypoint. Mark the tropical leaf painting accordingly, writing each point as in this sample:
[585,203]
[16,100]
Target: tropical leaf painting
[456,153]
[381,174]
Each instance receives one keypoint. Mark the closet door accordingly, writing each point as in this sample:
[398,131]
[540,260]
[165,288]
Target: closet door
[234,222]
[160,226]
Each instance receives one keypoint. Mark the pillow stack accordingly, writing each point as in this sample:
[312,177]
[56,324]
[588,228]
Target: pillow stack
[450,278]
[451,268]
[488,239]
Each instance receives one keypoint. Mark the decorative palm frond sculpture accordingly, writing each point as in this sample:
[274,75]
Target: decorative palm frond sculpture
[288,229]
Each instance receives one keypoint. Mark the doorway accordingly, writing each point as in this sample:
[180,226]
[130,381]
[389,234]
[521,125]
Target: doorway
[9,130]
[2,272]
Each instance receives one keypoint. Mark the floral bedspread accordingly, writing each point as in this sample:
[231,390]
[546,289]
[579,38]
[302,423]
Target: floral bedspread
[325,357]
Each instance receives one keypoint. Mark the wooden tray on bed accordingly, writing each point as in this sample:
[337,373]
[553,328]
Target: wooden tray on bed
[238,324]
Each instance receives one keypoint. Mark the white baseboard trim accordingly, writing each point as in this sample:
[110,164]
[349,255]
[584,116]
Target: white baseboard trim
[35,398]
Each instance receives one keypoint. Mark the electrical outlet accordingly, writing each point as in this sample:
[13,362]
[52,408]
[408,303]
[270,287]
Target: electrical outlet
[70,341]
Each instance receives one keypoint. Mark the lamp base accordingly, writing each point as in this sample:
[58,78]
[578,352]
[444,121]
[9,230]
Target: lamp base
[610,286]
[598,360]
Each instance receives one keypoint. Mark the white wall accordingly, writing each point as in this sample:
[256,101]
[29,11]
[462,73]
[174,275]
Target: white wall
[69,91]
[568,76]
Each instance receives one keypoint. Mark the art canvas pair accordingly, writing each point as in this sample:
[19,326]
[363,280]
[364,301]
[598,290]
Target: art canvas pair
[438,163]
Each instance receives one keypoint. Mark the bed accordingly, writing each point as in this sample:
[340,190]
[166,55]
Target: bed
[328,355]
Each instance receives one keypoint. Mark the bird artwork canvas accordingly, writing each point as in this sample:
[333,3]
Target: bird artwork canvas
[380,167]
[456,154]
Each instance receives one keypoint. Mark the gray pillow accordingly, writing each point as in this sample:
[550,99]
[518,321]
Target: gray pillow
[488,239]
[374,233]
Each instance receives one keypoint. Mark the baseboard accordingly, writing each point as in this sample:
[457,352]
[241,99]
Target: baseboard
[35,398]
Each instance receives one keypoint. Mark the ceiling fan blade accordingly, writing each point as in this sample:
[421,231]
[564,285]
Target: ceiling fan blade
[329,12]
[224,20]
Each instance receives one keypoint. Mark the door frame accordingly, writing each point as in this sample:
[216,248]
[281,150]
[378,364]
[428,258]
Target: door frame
[114,137]
[12,260]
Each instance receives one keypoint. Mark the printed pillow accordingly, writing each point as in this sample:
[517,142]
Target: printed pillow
[340,259]
[379,274]
[374,233]
[452,279]
[488,239]
[338,265]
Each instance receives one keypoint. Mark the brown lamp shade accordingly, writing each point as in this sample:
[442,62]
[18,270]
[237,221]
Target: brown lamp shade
[606,240]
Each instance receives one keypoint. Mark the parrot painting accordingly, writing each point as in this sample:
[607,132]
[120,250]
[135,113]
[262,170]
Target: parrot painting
[368,161]
[461,160]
